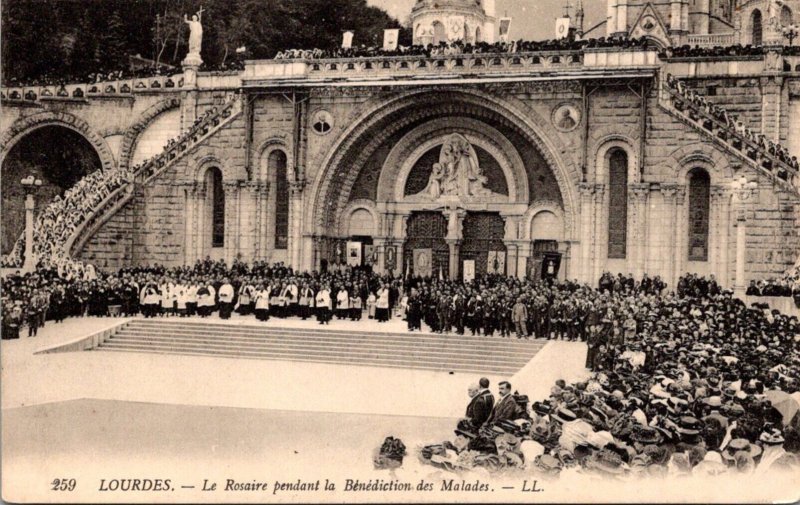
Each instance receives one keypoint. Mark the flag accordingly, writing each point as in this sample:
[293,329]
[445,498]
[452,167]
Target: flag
[390,37]
[505,25]
[562,27]
[347,39]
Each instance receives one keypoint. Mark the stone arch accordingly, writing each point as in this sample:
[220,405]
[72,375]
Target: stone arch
[197,165]
[538,208]
[415,143]
[358,205]
[603,151]
[22,126]
[700,155]
[132,134]
[527,121]
[274,143]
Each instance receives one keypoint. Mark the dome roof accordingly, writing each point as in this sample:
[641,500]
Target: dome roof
[477,5]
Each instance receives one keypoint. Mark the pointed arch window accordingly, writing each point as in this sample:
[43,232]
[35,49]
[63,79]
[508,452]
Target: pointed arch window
[617,203]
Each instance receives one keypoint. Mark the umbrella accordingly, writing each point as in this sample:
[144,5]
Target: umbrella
[784,403]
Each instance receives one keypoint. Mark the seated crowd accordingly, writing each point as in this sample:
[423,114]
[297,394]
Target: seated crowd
[730,128]
[461,47]
[61,217]
[696,384]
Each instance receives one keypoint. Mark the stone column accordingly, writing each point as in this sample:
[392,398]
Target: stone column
[29,264]
[638,227]
[679,253]
[188,225]
[511,241]
[716,197]
[295,221]
[587,231]
[231,189]
[455,222]
[742,192]
[398,226]
[724,238]
[600,248]
[199,220]
[666,251]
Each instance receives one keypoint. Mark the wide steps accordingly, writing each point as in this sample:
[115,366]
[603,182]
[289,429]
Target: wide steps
[441,352]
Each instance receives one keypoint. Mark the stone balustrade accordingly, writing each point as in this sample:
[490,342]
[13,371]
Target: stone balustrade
[748,148]
[421,66]
[82,91]
[711,39]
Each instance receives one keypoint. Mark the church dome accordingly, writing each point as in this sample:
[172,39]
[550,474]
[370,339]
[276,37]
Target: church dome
[435,21]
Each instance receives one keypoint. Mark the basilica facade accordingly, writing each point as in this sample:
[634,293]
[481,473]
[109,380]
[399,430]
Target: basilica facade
[574,160]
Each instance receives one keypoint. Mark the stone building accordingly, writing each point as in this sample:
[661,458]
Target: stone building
[496,160]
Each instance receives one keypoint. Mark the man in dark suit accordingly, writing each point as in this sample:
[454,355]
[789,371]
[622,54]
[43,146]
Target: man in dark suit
[506,407]
[480,407]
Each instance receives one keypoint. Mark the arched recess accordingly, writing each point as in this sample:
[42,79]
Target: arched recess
[214,206]
[131,136]
[699,201]
[786,16]
[714,162]
[439,33]
[541,210]
[478,36]
[603,151]
[272,144]
[25,125]
[361,219]
[278,168]
[414,144]
[756,27]
[379,118]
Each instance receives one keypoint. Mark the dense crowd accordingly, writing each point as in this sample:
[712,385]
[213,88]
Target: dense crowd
[787,285]
[730,128]
[462,47]
[92,77]
[687,51]
[697,384]
[62,216]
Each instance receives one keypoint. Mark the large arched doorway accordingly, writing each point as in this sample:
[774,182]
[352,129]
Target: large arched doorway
[57,155]
[426,232]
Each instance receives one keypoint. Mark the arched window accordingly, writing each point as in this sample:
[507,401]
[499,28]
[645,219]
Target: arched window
[439,33]
[478,37]
[217,194]
[756,27]
[617,203]
[277,166]
[699,207]
[786,16]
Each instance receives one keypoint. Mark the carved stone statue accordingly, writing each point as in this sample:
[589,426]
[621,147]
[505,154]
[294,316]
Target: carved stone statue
[457,174]
[195,32]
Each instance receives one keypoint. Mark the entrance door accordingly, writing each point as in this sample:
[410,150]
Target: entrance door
[483,234]
[427,230]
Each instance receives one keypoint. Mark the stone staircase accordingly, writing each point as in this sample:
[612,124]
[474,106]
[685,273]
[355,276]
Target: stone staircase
[447,353]
[731,141]
[95,216]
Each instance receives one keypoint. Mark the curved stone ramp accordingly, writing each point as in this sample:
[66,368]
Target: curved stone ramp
[426,351]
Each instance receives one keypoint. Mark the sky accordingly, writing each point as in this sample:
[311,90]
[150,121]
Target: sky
[531,19]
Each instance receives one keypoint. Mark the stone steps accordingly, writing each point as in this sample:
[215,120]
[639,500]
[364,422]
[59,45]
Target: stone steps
[448,352]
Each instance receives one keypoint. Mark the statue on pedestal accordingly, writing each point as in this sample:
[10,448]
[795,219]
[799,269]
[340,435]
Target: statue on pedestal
[195,32]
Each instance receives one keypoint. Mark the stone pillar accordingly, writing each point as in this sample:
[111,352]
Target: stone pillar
[771,97]
[199,220]
[511,241]
[295,221]
[188,224]
[29,264]
[231,189]
[455,222]
[742,192]
[585,233]
[716,197]
[524,253]
[398,224]
[679,253]
[666,252]
[638,227]
[600,249]
[724,239]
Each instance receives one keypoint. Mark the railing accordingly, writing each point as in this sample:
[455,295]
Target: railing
[711,39]
[100,213]
[741,144]
[422,66]
[120,87]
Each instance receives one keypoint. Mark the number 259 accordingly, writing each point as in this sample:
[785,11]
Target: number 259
[63,485]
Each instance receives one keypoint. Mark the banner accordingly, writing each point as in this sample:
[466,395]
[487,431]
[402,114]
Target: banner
[562,27]
[391,257]
[551,262]
[469,270]
[423,262]
[390,37]
[505,26]
[354,254]
[496,262]
[368,254]
[347,40]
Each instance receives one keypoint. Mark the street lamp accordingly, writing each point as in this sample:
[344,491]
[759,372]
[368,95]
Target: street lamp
[30,185]
[742,190]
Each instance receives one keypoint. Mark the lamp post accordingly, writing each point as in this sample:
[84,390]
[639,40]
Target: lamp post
[742,190]
[30,185]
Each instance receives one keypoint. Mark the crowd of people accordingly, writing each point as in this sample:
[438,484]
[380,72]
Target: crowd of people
[57,222]
[687,51]
[92,77]
[730,128]
[691,384]
[684,381]
[787,285]
[462,47]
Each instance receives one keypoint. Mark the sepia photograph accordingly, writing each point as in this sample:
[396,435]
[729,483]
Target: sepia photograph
[403,251]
